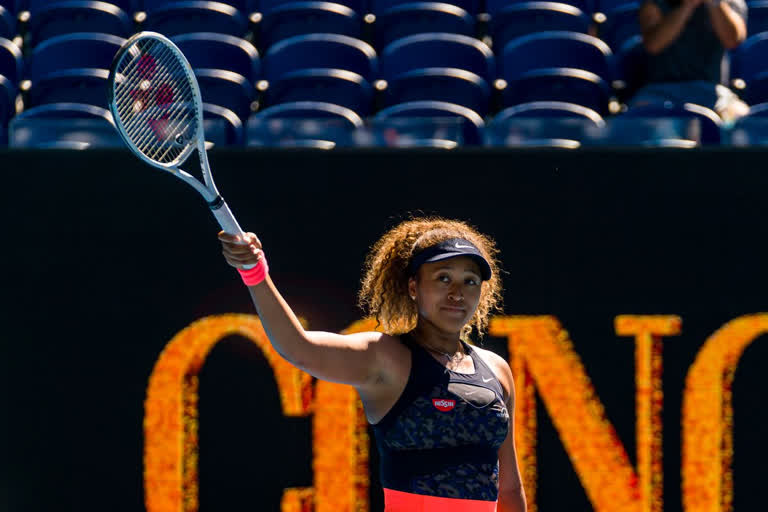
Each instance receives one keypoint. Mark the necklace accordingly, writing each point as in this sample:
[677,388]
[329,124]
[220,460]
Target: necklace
[450,357]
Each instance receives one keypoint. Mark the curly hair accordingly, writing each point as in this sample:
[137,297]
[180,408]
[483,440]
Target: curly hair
[384,287]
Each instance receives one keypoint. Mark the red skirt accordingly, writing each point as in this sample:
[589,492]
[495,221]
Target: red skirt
[398,501]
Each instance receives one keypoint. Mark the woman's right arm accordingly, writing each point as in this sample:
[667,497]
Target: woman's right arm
[354,359]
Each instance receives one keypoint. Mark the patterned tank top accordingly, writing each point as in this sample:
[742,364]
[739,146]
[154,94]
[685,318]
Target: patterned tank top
[441,438]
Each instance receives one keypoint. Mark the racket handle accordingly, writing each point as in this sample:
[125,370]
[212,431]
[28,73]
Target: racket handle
[227,221]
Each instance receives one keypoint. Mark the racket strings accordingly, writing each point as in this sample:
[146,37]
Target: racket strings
[154,74]
[155,101]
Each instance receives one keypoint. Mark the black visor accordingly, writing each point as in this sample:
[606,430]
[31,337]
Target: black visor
[450,248]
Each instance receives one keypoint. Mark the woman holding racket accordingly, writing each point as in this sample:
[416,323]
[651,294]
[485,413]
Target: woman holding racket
[441,409]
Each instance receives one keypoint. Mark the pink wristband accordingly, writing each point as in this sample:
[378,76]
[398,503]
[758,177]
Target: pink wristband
[255,275]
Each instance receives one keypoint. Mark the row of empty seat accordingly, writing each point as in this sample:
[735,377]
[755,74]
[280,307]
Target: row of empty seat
[418,123]
[553,66]
[378,22]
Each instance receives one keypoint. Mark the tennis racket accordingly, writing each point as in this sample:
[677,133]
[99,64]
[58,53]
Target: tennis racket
[157,108]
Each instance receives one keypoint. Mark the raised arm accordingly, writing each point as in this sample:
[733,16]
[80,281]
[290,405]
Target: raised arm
[660,30]
[349,359]
[728,24]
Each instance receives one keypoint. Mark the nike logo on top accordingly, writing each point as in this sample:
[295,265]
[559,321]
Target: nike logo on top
[487,380]
[459,246]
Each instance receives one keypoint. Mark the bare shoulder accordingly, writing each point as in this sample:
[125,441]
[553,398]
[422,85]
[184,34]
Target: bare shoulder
[499,365]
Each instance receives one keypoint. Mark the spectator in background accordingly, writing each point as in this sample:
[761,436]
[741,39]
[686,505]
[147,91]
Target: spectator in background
[686,40]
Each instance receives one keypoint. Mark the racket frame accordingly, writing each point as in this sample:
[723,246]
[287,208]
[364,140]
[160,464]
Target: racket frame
[207,188]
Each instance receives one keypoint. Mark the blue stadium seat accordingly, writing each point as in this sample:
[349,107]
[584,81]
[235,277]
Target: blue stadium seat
[209,50]
[227,89]
[290,19]
[512,20]
[620,25]
[472,123]
[710,121]
[542,124]
[359,6]
[411,18]
[557,66]
[328,68]
[173,17]
[631,64]
[557,49]
[550,109]
[757,18]
[11,61]
[71,68]
[7,109]
[64,126]
[748,64]
[296,125]
[53,18]
[587,6]
[441,67]
[7,19]
[378,6]
[559,84]
[222,126]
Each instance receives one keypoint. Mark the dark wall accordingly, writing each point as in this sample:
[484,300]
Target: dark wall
[105,259]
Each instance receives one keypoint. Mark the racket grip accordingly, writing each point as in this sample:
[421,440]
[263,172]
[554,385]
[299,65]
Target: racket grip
[227,221]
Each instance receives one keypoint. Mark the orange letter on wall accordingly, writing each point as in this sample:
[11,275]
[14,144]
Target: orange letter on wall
[649,398]
[708,416]
[340,441]
[170,417]
[541,352]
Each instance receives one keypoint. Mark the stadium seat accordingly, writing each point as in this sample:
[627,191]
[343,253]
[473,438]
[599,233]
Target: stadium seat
[304,124]
[710,121]
[209,50]
[227,89]
[222,127]
[328,68]
[558,84]
[411,18]
[549,110]
[511,20]
[71,68]
[630,64]
[377,6]
[757,18]
[7,19]
[620,25]
[749,68]
[7,109]
[65,126]
[54,18]
[173,17]
[440,67]
[360,7]
[288,19]
[557,49]
[472,123]
[11,61]
[557,66]
[586,6]
[542,124]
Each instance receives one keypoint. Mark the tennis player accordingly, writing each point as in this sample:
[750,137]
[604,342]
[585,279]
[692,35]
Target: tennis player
[440,408]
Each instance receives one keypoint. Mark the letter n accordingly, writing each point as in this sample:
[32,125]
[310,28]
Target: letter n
[541,353]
